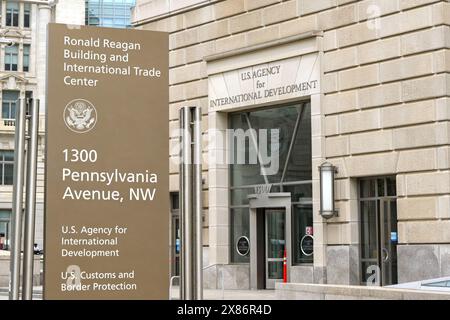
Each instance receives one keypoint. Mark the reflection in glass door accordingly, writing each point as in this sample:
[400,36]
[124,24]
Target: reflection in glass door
[275,245]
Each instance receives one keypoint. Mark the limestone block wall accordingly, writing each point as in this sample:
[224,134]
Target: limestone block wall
[385,108]
[386,112]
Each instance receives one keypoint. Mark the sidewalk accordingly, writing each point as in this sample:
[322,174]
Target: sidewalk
[218,294]
[208,294]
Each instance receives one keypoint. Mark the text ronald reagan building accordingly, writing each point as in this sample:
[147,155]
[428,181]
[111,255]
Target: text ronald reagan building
[326,129]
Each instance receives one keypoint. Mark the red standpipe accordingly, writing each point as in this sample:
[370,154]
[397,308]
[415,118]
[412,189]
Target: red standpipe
[284,267]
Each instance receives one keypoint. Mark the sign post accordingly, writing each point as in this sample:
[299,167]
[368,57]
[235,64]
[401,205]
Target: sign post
[107,194]
[31,136]
[30,209]
[19,163]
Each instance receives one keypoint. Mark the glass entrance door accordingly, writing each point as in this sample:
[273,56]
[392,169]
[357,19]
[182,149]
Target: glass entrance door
[275,238]
[379,242]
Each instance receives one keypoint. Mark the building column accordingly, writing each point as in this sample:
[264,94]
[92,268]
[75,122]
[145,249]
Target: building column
[318,157]
[218,190]
[44,17]
[3,16]
[20,57]
[1,113]
[2,58]
[21,11]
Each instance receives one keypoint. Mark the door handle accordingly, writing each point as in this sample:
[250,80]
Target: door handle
[386,252]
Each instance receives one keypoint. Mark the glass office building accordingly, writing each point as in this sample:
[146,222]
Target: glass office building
[109,13]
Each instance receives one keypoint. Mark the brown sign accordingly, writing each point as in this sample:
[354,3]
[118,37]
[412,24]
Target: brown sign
[106,207]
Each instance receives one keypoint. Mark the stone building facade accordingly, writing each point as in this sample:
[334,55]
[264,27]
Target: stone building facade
[23,75]
[367,84]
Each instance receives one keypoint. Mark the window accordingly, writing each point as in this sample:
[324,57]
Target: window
[5,220]
[175,201]
[11,58]
[9,104]
[12,14]
[291,172]
[28,97]
[111,13]
[6,167]
[302,220]
[240,226]
[26,58]
[26,15]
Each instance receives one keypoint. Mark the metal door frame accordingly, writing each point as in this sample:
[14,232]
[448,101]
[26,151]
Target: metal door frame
[270,283]
[269,201]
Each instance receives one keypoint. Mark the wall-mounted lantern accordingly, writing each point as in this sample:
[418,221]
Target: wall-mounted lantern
[327,172]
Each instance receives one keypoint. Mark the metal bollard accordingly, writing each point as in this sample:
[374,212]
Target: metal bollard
[191,285]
